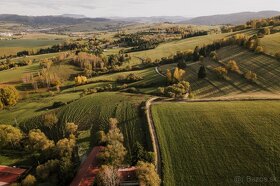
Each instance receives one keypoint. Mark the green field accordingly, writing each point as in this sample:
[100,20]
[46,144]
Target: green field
[271,43]
[11,47]
[210,143]
[92,114]
[266,68]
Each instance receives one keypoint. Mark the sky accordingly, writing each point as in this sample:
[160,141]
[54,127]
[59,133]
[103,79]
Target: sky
[134,8]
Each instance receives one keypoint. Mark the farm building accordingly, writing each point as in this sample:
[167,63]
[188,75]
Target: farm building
[10,175]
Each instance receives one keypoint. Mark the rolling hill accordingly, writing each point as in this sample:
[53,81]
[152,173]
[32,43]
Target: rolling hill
[235,18]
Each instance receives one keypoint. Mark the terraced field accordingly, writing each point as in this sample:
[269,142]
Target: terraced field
[210,143]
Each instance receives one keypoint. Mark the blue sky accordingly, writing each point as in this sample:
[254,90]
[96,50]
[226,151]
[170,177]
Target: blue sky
[133,8]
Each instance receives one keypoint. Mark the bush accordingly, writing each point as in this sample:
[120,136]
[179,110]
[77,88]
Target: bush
[10,136]
[129,78]
[251,76]
[232,66]
[176,90]
[259,49]
[221,72]
[30,180]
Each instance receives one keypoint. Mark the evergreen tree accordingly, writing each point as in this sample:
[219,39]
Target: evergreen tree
[202,72]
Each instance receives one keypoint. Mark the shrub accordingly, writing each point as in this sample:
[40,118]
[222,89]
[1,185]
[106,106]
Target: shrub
[30,180]
[129,78]
[221,72]
[251,76]
[232,66]
[259,49]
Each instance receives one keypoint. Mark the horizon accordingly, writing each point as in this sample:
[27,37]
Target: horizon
[140,16]
[134,8]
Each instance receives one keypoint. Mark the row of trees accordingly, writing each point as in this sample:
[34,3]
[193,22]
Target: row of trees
[112,157]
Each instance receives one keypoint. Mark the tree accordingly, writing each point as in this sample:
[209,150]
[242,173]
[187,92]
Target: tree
[71,128]
[50,119]
[45,171]
[140,154]
[178,74]
[64,147]
[38,141]
[101,138]
[182,65]
[9,95]
[10,136]
[80,80]
[30,180]
[1,105]
[147,174]
[202,72]
[169,76]
[114,152]
[107,176]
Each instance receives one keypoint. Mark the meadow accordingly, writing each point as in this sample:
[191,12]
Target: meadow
[271,43]
[210,143]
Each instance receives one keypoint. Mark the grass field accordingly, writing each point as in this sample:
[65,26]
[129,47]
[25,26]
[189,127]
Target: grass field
[170,48]
[211,143]
[271,43]
[266,68]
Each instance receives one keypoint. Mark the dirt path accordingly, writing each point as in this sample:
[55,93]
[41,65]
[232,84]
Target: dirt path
[153,135]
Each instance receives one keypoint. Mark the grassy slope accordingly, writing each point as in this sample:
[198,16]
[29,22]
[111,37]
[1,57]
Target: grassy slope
[211,143]
[271,43]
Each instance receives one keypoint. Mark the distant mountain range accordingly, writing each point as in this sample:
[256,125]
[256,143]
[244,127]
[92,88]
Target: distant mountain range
[49,20]
[153,19]
[83,23]
[235,18]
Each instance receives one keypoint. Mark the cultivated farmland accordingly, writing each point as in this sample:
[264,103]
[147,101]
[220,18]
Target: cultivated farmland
[211,143]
